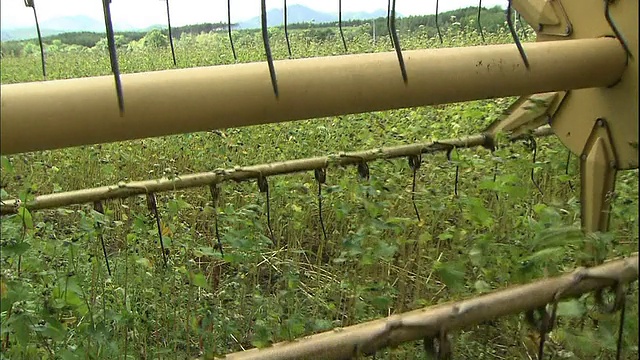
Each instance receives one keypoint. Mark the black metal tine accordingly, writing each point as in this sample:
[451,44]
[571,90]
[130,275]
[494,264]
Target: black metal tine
[444,349]
[389,23]
[543,339]
[621,329]
[97,206]
[321,178]
[173,51]
[106,6]
[566,169]
[534,147]
[363,170]
[31,4]
[618,304]
[495,177]
[514,35]
[455,189]
[263,185]
[522,27]
[344,42]
[286,30]
[233,48]
[455,186]
[267,47]
[364,173]
[414,163]
[153,207]
[438,25]
[396,41]
[214,189]
[478,21]
[543,325]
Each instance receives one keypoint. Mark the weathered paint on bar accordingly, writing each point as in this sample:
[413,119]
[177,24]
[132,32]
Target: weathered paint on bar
[65,113]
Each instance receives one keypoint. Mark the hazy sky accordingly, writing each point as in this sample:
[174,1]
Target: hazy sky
[142,13]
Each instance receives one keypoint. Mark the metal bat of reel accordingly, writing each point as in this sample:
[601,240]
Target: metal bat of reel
[544,319]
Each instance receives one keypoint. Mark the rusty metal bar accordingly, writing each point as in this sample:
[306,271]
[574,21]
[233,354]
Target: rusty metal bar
[366,338]
[56,200]
[80,111]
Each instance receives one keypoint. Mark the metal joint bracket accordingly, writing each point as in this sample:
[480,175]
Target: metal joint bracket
[548,17]
[528,113]
[599,166]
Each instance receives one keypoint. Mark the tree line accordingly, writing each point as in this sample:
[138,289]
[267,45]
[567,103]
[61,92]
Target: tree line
[491,20]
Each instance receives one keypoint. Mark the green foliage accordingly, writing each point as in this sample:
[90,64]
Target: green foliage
[155,39]
[58,301]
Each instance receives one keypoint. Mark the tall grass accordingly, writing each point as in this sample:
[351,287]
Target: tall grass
[378,259]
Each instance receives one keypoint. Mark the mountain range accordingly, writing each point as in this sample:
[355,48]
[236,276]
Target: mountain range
[65,24]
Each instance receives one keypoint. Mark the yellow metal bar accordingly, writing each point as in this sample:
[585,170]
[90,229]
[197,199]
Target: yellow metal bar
[65,113]
[56,200]
[366,338]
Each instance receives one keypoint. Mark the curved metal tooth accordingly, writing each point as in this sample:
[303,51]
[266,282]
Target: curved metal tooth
[438,25]
[389,23]
[32,5]
[457,178]
[233,49]
[566,168]
[97,206]
[173,51]
[522,26]
[214,190]
[263,186]
[321,178]
[534,149]
[396,42]
[344,43]
[478,21]
[267,47]
[286,30]
[106,7]
[514,35]
[414,164]
[152,205]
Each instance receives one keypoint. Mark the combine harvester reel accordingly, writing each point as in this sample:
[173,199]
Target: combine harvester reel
[598,124]
[580,77]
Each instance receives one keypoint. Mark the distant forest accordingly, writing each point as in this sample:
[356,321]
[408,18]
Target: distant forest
[491,19]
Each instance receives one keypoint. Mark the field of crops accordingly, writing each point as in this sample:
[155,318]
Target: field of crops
[484,225]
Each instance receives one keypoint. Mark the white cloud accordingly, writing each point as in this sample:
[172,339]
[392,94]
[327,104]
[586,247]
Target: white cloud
[142,13]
